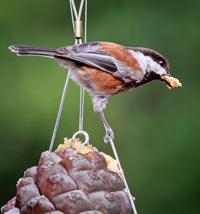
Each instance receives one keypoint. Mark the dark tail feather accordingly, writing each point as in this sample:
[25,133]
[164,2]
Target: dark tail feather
[24,50]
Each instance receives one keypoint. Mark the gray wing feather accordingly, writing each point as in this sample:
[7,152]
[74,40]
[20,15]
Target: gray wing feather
[89,54]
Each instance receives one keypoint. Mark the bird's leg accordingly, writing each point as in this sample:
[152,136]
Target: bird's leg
[99,103]
[109,132]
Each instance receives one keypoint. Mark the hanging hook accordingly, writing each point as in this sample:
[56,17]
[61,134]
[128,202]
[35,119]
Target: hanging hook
[82,133]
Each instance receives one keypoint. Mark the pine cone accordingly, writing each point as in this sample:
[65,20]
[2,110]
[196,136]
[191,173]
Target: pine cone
[75,179]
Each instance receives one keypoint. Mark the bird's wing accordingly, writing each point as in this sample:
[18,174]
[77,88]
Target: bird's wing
[89,54]
[109,57]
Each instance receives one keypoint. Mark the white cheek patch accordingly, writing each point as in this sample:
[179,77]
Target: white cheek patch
[147,64]
[143,63]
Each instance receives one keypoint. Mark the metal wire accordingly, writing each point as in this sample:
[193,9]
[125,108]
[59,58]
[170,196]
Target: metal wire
[81,108]
[74,8]
[79,41]
[59,112]
[123,176]
[85,33]
[80,10]
[72,15]
[82,91]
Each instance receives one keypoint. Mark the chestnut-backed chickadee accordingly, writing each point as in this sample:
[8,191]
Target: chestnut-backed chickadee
[105,69]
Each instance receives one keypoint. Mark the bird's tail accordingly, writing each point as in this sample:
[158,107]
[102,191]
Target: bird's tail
[25,50]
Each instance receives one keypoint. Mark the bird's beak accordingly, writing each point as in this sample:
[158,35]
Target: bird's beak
[170,81]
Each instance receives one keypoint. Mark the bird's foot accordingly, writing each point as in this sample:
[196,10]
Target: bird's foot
[109,135]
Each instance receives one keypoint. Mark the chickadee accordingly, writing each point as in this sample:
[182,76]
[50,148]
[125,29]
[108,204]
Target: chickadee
[105,69]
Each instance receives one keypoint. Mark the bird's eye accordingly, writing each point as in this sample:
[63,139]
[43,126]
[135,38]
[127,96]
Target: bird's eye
[161,62]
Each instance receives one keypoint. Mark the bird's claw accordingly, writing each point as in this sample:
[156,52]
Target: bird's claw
[109,136]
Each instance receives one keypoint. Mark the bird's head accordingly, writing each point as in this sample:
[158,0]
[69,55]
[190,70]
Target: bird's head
[154,66]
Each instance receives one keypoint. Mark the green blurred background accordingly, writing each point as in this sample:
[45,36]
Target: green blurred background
[156,129]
